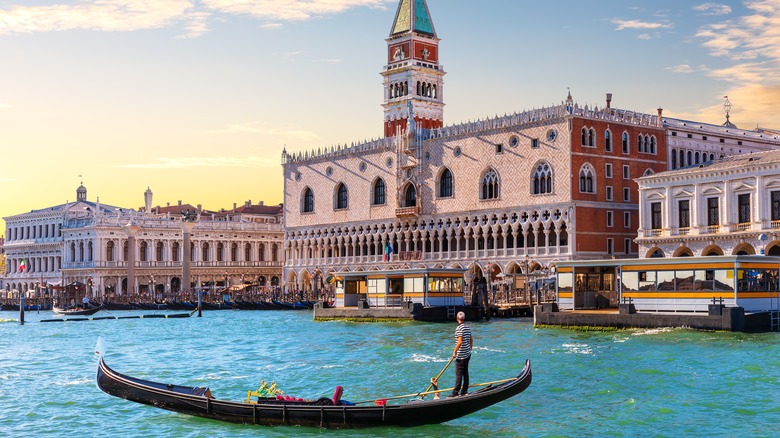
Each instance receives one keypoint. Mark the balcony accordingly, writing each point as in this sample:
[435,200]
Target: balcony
[407,212]
[713,229]
[744,226]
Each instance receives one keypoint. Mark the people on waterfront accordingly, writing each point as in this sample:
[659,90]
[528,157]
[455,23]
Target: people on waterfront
[85,300]
[464,341]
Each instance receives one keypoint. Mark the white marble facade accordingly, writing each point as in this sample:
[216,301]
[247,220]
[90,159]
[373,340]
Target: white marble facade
[86,241]
[729,206]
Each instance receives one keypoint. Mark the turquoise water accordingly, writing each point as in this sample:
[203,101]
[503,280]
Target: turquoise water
[627,383]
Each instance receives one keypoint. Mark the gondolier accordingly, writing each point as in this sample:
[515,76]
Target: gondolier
[462,354]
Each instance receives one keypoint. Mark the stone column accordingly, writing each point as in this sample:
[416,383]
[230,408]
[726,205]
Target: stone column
[186,228]
[132,229]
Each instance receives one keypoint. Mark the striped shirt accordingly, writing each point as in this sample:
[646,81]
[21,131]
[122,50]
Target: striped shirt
[465,347]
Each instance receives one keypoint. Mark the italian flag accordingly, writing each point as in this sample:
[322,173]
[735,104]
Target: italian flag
[22,266]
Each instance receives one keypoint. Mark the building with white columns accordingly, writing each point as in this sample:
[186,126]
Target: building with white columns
[87,242]
[729,206]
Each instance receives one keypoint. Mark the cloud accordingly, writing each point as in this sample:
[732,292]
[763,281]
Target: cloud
[637,24]
[204,162]
[751,42]
[271,26]
[712,9]
[752,105]
[196,25]
[100,15]
[290,10]
[644,36]
[253,128]
[685,68]
[191,15]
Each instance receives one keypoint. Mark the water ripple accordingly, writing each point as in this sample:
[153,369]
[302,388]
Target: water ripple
[628,383]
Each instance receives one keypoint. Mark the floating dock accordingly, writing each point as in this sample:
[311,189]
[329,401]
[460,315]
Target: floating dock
[719,318]
[407,311]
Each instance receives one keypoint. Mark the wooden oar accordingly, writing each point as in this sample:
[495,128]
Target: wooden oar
[434,392]
[436,379]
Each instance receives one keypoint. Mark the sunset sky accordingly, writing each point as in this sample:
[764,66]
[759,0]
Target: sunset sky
[196,98]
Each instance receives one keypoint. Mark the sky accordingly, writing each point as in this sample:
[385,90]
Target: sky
[196,99]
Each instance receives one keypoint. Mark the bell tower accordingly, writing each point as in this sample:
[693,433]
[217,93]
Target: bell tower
[413,77]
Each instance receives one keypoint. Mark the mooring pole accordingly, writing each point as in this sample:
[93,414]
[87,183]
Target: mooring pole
[21,308]
[200,303]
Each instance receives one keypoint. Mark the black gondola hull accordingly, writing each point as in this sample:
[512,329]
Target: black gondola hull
[188,400]
[76,311]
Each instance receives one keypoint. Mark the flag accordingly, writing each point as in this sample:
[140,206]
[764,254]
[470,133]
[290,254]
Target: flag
[388,251]
[22,266]
[330,279]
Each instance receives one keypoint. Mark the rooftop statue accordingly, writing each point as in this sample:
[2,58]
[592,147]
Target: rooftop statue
[187,216]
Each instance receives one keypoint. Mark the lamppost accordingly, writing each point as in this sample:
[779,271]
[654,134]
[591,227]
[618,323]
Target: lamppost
[227,285]
[132,229]
[527,288]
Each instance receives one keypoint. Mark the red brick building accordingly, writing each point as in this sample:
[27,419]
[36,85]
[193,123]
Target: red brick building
[501,195]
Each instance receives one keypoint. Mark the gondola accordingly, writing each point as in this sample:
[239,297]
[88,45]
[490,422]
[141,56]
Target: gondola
[324,412]
[110,305]
[73,311]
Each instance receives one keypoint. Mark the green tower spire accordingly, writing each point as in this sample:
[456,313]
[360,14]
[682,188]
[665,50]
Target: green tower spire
[413,15]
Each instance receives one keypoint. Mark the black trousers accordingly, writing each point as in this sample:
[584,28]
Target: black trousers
[461,376]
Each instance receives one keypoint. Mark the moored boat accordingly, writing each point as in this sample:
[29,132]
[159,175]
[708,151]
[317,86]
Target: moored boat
[323,412]
[73,311]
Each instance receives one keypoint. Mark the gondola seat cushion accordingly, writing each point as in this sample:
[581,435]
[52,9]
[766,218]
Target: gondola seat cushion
[337,395]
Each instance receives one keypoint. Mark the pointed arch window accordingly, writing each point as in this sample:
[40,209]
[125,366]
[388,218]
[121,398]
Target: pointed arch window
[490,185]
[342,197]
[378,197]
[608,140]
[445,184]
[541,180]
[410,196]
[584,137]
[308,200]
[587,176]
[591,137]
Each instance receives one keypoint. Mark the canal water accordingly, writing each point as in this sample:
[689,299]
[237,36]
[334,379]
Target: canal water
[623,383]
